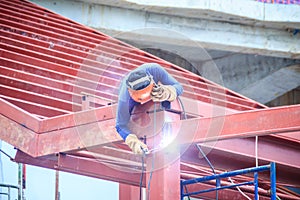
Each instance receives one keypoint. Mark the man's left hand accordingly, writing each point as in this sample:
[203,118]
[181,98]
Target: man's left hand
[162,93]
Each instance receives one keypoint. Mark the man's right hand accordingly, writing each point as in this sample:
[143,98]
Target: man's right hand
[136,146]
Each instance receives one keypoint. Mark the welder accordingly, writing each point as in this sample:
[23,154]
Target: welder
[148,82]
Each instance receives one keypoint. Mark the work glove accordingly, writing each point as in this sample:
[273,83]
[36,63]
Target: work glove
[162,93]
[136,146]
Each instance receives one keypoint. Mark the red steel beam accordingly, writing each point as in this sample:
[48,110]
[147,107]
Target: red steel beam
[240,125]
[231,97]
[18,135]
[81,134]
[39,98]
[207,92]
[204,95]
[94,168]
[83,166]
[78,137]
[208,96]
[60,72]
[68,84]
[284,151]
[16,114]
[163,176]
[36,109]
[163,166]
[77,119]
[232,128]
[127,48]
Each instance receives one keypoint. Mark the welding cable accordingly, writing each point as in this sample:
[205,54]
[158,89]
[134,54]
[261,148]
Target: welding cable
[185,117]
[203,154]
[153,157]
[256,154]
[238,188]
[142,175]
[210,165]
[182,108]
[256,151]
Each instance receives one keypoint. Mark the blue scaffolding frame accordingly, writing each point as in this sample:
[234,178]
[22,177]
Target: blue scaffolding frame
[218,177]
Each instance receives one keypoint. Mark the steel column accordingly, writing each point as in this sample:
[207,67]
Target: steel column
[163,165]
[163,176]
[128,192]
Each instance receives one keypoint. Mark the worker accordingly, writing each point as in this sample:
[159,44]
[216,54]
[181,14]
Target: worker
[150,81]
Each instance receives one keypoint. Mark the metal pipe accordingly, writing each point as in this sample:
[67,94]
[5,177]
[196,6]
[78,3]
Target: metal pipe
[8,193]
[20,170]
[256,186]
[8,189]
[273,181]
[57,195]
[181,191]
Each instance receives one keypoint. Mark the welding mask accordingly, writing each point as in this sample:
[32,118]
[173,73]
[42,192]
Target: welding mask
[140,84]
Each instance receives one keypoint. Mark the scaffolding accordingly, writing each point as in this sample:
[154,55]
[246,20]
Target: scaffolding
[8,192]
[218,177]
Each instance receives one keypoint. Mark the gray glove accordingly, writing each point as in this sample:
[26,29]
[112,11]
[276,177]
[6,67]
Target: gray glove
[162,93]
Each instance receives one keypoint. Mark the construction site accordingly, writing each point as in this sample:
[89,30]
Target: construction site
[233,133]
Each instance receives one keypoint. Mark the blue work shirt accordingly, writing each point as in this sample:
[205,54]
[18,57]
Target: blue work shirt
[126,103]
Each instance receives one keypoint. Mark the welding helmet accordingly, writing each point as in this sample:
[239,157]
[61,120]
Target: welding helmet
[140,84]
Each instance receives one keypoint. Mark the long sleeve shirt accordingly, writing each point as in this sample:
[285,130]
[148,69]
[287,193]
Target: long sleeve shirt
[126,103]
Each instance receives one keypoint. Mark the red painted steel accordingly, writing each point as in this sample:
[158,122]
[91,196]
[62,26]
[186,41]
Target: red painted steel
[48,63]
[128,192]
[163,176]
[244,124]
